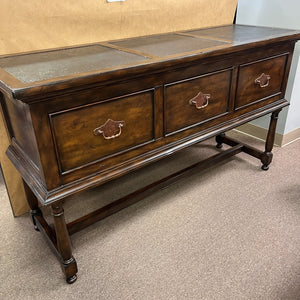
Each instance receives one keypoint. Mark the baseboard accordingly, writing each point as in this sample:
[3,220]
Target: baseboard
[260,133]
[291,137]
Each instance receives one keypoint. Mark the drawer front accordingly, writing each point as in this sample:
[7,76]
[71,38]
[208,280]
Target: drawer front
[260,80]
[195,100]
[92,132]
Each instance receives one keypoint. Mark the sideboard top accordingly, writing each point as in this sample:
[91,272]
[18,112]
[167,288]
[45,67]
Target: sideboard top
[30,73]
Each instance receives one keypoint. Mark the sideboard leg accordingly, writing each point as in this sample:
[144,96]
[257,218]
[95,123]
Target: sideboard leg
[33,204]
[267,156]
[220,140]
[68,262]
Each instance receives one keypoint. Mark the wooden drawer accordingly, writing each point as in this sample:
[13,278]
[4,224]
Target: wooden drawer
[93,132]
[195,100]
[260,80]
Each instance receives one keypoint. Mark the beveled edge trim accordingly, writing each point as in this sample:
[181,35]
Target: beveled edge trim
[8,80]
[166,85]
[257,101]
[167,134]
[67,172]
[286,53]
[30,92]
[28,173]
[15,144]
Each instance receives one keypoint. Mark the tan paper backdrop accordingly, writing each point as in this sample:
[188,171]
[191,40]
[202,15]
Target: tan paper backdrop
[32,25]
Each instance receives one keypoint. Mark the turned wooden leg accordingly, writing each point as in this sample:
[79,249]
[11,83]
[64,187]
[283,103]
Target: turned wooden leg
[267,156]
[33,204]
[68,262]
[220,140]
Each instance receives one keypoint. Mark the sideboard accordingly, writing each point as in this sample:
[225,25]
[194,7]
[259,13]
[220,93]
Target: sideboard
[81,116]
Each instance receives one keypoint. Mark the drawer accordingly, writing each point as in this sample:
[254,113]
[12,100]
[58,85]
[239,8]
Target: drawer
[196,100]
[260,80]
[94,132]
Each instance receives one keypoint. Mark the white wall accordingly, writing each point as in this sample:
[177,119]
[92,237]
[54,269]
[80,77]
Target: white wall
[284,14]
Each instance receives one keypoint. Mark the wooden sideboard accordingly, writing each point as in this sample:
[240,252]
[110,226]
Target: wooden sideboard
[81,116]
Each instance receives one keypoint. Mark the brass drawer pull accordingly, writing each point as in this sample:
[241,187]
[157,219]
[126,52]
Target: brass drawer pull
[200,101]
[110,130]
[263,80]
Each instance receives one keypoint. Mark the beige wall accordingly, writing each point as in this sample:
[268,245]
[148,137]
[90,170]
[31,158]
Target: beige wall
[32,25]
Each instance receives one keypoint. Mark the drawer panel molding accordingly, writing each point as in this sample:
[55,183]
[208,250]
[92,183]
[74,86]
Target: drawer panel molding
[260,80]
[76,131]
[196,100]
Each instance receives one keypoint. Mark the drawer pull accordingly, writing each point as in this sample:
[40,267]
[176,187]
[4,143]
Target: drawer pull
[263,80]
[200,101]
[110,130]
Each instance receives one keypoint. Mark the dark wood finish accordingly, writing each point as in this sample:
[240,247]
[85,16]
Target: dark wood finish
[253,86]
[159,112]
[74,187]
[74,130]
[68,262]
[81,116]
[268,155]
[48,233]
[265,156]
[58,240]
[33,204]
[179,96]
[220,140]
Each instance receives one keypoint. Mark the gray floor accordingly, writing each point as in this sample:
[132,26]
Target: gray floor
[231,232]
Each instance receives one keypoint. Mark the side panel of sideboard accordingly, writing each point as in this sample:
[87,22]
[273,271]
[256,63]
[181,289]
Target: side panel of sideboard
[20,129]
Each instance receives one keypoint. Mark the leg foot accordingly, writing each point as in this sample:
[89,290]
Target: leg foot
[266,159]
[72,279]
[265,167]
[34,213]
[70,269]
[267,156]
[220,140]
[33,204]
